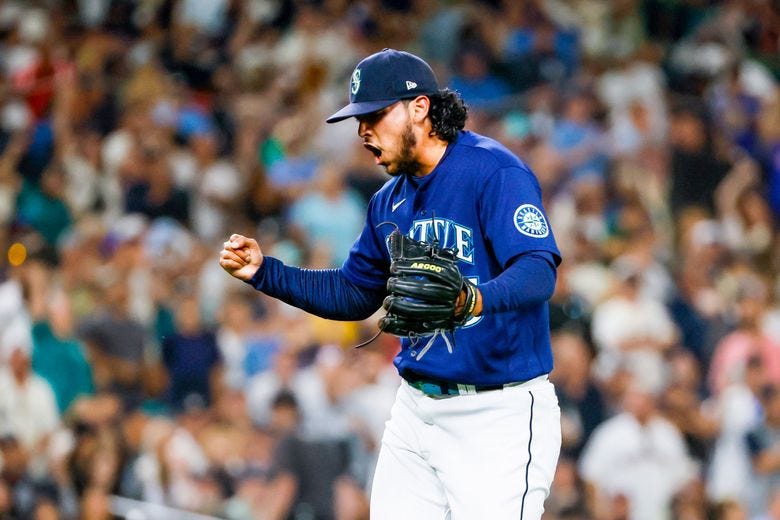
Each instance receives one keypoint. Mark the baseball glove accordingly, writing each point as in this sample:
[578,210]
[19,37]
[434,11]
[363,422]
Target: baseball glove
[424,289]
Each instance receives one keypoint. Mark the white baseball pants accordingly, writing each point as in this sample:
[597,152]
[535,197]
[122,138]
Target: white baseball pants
[490,455]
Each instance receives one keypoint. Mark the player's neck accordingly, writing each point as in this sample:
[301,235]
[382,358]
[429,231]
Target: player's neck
[430,152]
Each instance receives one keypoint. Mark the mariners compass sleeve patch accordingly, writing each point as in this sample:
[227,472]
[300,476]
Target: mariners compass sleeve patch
[530,221]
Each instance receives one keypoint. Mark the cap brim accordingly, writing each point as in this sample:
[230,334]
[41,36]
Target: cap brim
[359,109]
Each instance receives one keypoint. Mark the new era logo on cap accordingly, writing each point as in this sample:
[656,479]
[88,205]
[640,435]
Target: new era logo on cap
[383,78]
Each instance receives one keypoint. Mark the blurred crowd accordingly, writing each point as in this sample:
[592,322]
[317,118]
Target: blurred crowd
[139,381]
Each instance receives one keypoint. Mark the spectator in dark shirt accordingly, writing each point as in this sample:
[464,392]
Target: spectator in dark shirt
[192,358]
[313,475]
[696,169]
[157,196]
[116,343]
[582,405]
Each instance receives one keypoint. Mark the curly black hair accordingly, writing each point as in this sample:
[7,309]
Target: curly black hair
[448,114]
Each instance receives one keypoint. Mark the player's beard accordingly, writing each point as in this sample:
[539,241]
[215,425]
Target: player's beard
[406,164]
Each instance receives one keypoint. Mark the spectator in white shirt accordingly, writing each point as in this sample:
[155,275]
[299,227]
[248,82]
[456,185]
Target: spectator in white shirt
[28,408]
[218,185]
[631,330]
[639,455]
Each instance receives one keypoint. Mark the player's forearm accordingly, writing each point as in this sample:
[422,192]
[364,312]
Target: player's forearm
[530,280]
[324,292]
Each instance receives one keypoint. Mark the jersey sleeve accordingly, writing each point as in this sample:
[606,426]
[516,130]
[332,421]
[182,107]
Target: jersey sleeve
[512,217]
[368,261]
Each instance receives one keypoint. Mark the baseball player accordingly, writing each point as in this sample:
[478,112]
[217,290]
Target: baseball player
[475,429]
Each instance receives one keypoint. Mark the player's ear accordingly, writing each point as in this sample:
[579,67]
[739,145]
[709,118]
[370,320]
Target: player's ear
[418,108]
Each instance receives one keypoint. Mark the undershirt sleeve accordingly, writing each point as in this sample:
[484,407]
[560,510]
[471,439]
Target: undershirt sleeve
[324,292]
[529,280]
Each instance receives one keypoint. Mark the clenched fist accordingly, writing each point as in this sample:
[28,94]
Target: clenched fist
[241,257]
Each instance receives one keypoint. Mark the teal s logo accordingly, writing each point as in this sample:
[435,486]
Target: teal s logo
[355,83]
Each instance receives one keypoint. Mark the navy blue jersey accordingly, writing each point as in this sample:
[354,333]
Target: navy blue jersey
[485,202]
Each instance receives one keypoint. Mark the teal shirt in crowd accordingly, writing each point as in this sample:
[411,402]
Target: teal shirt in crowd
[47,215]
[62,363]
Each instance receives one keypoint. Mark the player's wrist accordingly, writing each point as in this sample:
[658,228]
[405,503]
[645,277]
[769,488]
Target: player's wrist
[478,303]
[257,274]
[466,305]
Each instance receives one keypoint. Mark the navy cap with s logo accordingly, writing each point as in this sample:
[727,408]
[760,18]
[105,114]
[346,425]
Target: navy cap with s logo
[383,78]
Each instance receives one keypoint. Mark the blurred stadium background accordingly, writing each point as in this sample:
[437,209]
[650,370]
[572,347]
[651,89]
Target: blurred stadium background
[139,381]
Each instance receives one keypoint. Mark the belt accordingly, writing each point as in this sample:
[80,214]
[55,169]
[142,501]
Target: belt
[436,387]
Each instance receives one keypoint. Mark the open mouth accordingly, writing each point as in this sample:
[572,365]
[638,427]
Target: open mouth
[373,149]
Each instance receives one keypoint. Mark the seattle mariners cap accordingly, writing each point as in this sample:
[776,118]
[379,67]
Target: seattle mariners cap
[384,78]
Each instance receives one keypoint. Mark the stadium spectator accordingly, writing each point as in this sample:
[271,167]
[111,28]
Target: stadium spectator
[217,184]
[696,168]
[631,449]
[748,339]
[263,387]
[329,196]
[192,358]
[632,331]
[582,404]
[316,475]
[763,443]
[473,79]
[42,207]
[236,325]
[117,344]
[27,403]
[156,195]
[738,408]
[57,355]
